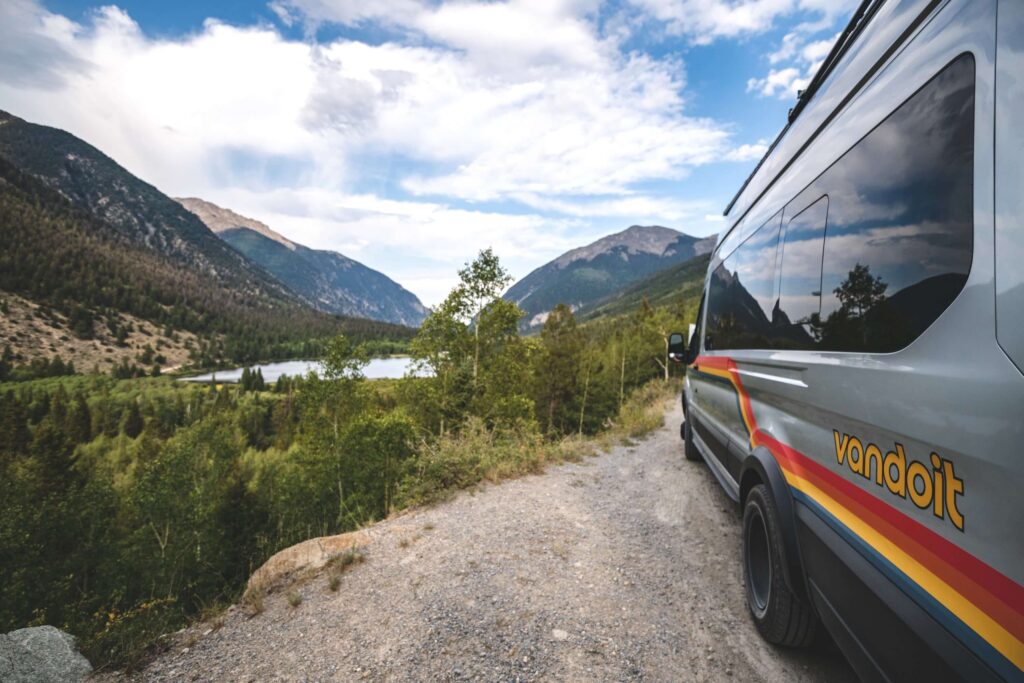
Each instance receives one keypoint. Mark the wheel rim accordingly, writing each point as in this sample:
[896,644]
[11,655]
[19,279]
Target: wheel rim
[758,561]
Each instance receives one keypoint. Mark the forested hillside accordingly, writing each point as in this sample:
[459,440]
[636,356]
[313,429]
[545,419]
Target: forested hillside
[666,288]
[330,281]
[131,506]
[92,181]
[63,256]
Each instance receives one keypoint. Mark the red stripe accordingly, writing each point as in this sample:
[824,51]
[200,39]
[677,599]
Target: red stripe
[1000,597]
[999,610]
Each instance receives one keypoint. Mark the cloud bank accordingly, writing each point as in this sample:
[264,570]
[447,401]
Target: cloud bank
[469,124]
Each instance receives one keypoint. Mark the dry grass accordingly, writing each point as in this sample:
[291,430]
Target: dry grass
[32,332]
[479,454]
[253,601]
[294,598]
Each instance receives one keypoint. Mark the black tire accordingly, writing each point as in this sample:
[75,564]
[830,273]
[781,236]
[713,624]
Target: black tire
[689,447]
[781,617]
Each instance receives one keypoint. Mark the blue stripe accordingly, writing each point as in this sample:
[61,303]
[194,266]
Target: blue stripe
[981,647]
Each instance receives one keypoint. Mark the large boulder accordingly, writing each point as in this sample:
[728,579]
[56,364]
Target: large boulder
[305,556]
[40,655]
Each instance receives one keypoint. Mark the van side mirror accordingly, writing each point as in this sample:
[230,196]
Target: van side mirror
[676,347]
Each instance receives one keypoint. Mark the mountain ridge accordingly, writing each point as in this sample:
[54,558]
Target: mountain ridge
[584,276]
[88,178]
[81,236]
[330,281]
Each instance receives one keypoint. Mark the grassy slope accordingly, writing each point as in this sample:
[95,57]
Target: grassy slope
[664,288]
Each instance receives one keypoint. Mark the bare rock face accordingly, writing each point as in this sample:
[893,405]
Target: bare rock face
[40,655]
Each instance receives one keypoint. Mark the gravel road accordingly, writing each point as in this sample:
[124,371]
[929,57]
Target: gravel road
[622,567]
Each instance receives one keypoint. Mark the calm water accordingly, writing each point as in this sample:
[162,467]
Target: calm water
[378,368]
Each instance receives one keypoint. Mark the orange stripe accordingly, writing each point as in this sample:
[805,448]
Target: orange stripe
[1007,613]
[1000,611]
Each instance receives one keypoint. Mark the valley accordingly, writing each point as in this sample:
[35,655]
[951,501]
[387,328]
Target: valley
[137,503]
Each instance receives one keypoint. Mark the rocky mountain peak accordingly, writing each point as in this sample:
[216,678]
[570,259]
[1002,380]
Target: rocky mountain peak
[636,239]
[221,220]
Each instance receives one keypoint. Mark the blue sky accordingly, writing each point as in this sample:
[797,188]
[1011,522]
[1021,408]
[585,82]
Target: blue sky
[409,134]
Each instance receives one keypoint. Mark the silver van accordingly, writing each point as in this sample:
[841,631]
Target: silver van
[855,377]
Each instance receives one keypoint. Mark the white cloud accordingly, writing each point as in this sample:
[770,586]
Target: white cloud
[801,58]
[531,103]
[784,83]
[704,21]
[752,152]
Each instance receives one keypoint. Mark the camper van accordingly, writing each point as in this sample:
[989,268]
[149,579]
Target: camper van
[855,376]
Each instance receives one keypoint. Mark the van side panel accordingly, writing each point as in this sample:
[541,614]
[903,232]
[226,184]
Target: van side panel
[905,463]
[1010,180]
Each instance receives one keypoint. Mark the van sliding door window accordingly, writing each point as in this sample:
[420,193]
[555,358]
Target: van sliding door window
[899,241]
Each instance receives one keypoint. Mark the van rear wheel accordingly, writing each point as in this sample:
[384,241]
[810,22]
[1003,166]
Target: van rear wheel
[780,616]
[689,448]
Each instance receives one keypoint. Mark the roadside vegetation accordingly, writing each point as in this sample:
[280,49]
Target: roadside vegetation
[133,505]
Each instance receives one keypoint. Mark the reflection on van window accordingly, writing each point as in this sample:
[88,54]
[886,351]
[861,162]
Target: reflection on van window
[900,224]
[880,254]
[800,284]
[742,289]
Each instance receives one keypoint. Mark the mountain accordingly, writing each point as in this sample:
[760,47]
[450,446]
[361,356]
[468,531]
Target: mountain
[587,275]
[91,180]
[331,281]
[666,287]
[95,250]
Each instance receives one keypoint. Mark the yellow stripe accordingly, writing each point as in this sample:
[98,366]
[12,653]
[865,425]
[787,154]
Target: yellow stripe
[964,609]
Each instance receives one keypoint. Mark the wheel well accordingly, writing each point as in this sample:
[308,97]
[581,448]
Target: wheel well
[751,478]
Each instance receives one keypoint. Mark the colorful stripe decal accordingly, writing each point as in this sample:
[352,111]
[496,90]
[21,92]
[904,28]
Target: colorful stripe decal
[962,592]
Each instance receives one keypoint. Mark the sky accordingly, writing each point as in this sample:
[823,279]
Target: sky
[410,134]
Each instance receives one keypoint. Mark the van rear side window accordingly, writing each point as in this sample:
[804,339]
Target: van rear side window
[877,247]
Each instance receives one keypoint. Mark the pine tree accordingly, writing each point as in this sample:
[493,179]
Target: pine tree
[14,433]
[133,423]
[79,427]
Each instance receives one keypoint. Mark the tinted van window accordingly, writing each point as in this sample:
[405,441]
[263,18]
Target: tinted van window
[799,299]
[900,227]
[741,292]
[899,208]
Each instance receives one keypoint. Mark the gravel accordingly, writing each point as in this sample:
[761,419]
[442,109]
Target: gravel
[622,567]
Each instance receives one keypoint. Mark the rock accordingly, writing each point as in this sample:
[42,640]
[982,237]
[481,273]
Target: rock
[559,634]
[39,655]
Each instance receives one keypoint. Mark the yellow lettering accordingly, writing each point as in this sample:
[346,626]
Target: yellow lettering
[858,464]
[897,485]
[841,448]
[915,473]
[872,453]
[954,487]
[937,501]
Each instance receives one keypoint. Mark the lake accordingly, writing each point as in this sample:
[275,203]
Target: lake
[377,368]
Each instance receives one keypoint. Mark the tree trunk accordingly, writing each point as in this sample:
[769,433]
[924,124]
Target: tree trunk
[583,405]
[476,349]
[622,379]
